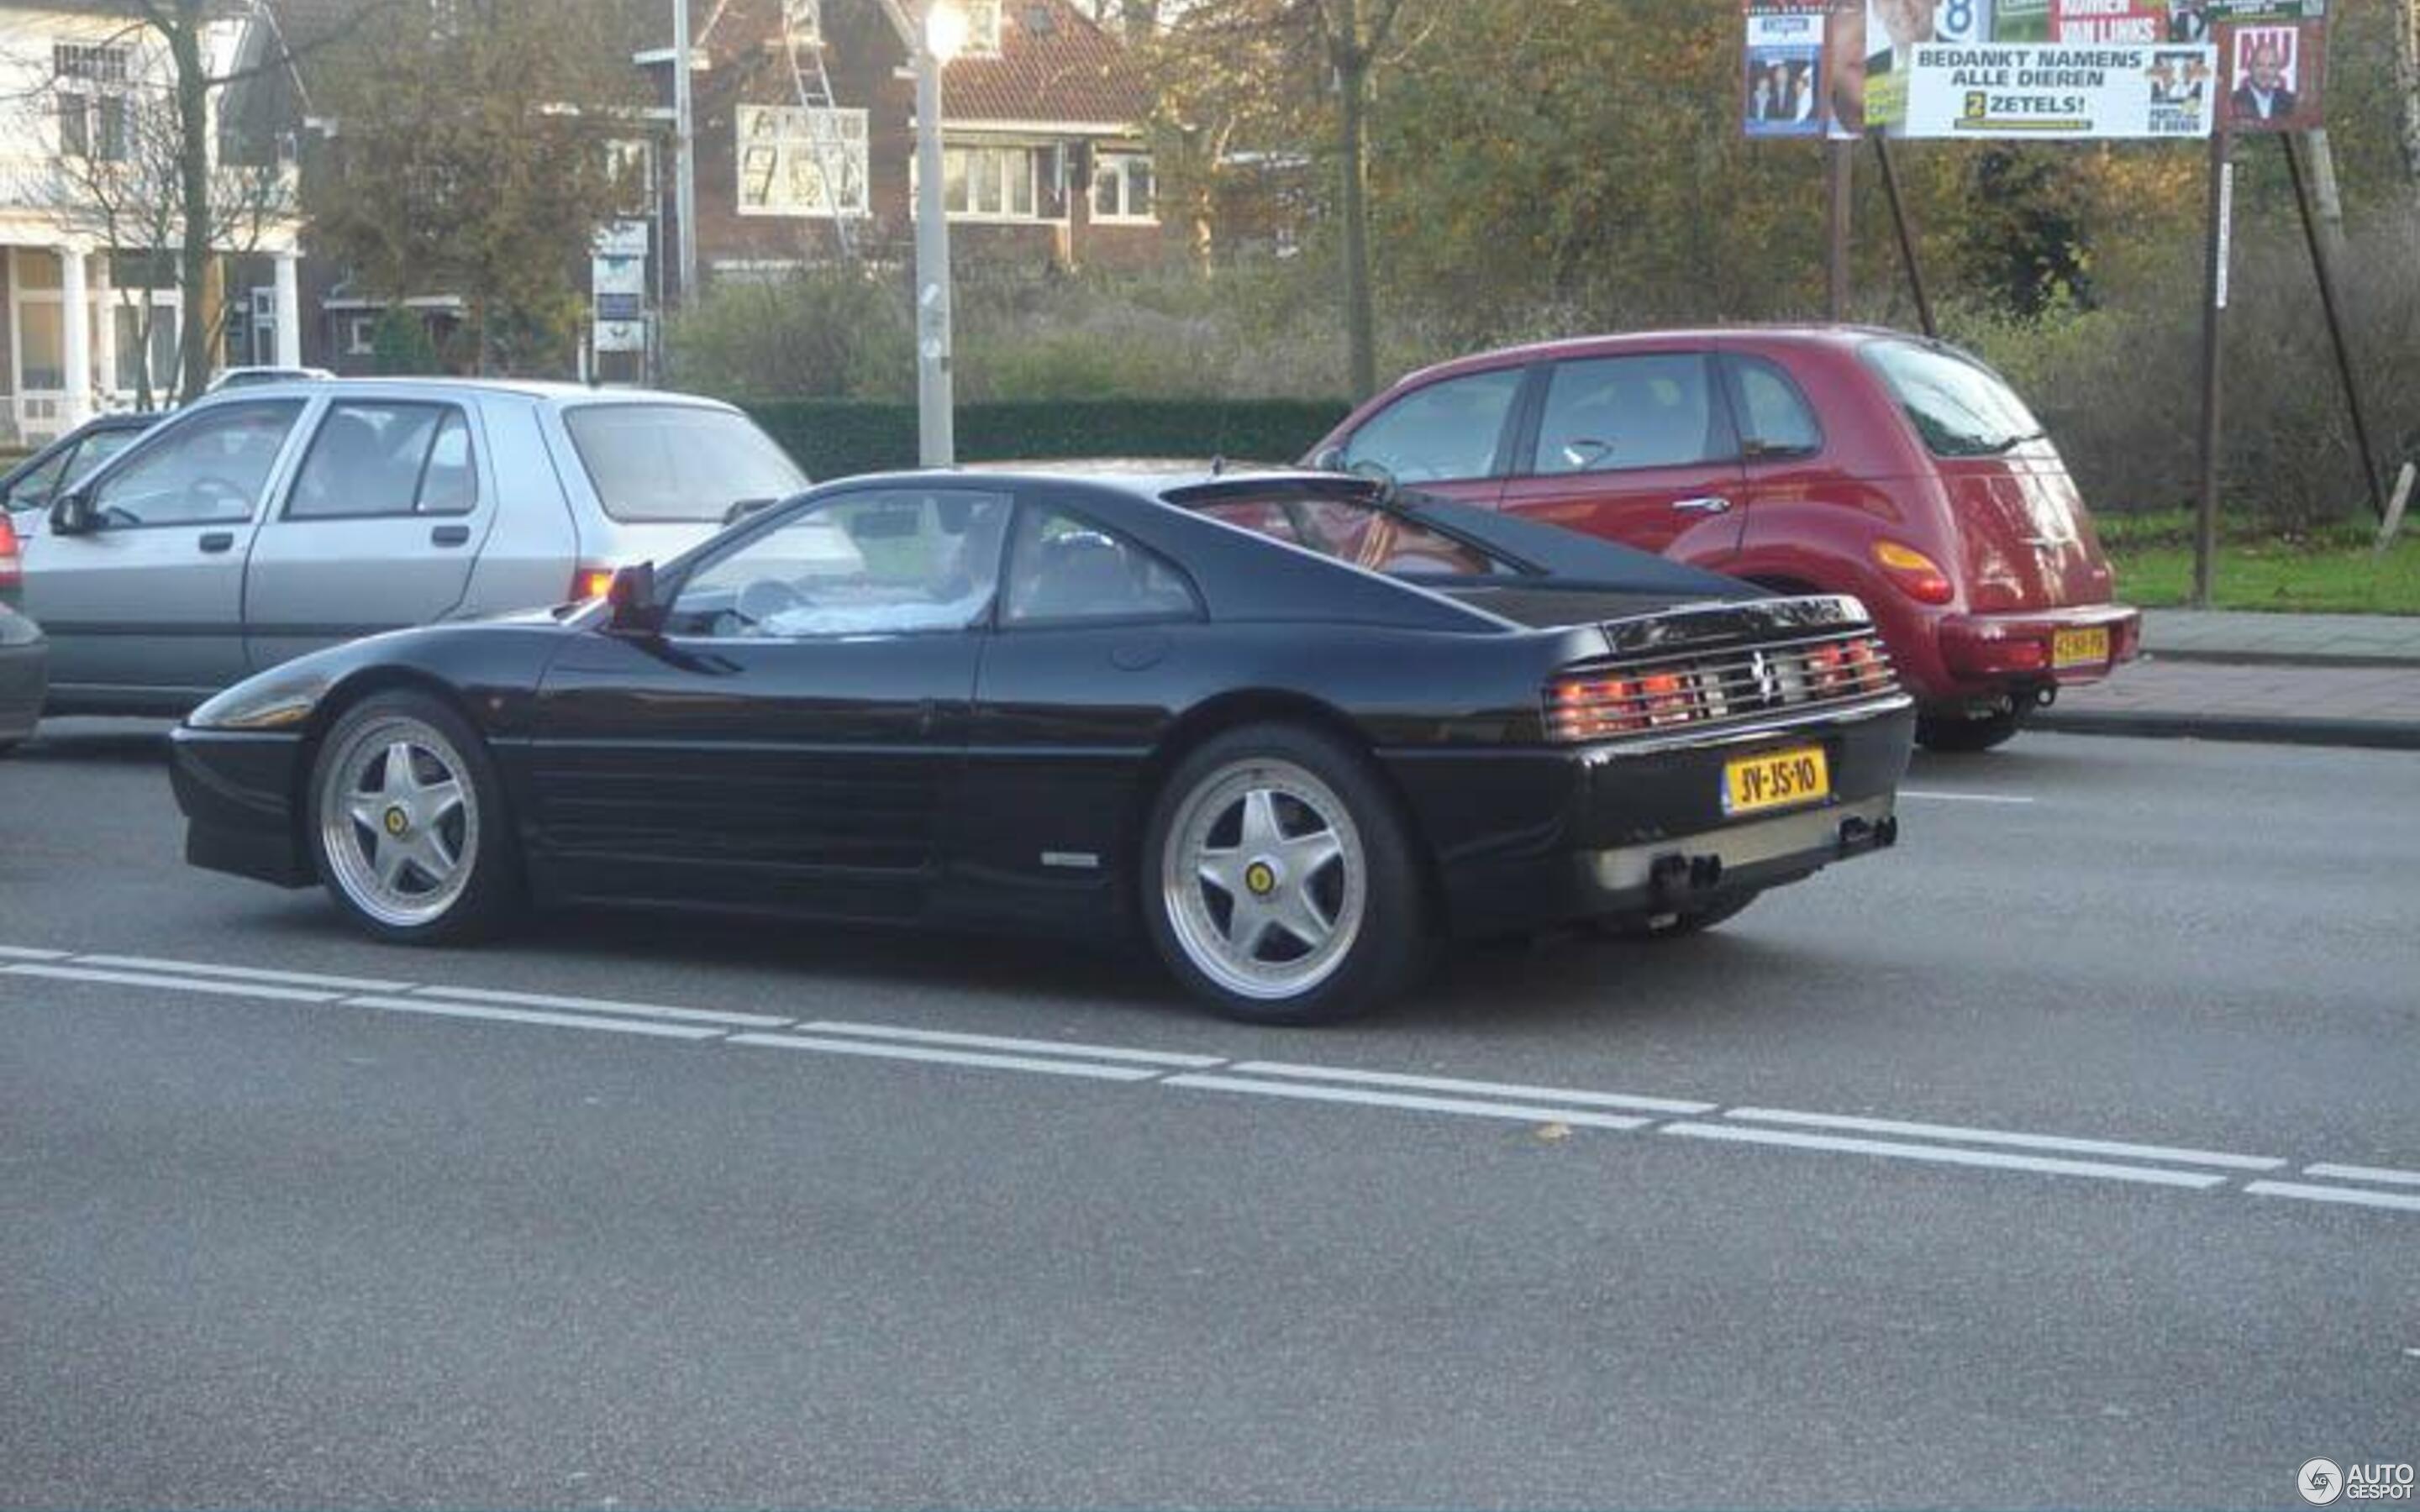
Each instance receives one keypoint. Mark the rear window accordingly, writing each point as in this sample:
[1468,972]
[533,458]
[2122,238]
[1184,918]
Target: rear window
[1958,405]
[1367,536]
[653,462]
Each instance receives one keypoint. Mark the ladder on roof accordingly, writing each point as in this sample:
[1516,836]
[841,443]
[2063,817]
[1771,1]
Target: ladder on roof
[802,40]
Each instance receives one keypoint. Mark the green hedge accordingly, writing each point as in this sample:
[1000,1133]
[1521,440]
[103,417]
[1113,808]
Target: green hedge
[836,438]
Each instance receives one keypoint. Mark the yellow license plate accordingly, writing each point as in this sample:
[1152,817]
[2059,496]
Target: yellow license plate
[2079,648]
[1779,781]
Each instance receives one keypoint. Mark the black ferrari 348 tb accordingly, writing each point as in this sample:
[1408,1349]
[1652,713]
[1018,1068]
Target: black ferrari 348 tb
[1293,727]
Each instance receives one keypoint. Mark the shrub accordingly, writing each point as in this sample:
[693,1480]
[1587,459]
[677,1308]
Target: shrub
[834,439]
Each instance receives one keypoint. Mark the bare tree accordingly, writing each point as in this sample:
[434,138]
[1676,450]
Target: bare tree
[123,181]
[2407,86]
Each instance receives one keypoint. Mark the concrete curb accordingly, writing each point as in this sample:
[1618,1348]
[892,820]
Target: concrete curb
[2284,658]
[2159,724]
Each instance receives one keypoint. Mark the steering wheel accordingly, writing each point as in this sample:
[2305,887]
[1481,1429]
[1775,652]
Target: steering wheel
[765,598]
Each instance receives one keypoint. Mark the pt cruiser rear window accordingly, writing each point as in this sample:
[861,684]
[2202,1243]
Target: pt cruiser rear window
[1958,405]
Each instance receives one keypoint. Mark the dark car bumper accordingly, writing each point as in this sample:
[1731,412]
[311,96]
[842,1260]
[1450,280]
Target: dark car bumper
[24,674]
[1609,832]
[238,790]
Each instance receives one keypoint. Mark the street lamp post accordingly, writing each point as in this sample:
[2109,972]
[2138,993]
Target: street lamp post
[937,42]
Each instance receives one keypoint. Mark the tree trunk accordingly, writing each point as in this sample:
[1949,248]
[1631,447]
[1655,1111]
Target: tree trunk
[194,191]
[1360,324]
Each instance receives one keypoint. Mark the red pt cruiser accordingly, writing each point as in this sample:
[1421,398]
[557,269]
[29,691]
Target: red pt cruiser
[1820,459]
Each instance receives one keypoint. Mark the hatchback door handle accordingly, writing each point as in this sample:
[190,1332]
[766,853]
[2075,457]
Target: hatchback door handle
[1704,506]
[217,541]
[449,535]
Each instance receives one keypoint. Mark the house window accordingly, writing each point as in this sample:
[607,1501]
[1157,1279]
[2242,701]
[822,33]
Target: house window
[786,152]
[983,28]
[1001,183]
[94,65]
[1122,186]
[92,105]
[360,335]
[132,347]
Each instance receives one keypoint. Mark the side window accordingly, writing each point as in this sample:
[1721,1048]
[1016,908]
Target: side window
[1441,433]
[373,458]
[1063,567]
[1609,413]
[207,469]
[35,488]
[98,448]
[890,562]
[1774,415]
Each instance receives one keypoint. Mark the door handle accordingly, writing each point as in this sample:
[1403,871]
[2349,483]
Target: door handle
[217,541]
[449,535]
[1704,506]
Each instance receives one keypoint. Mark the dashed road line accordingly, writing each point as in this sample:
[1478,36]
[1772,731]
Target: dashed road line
[1966,797]
[1774,1128]
[1945,1155]
[1994,1137]
[1367,1097]
[2403,1201]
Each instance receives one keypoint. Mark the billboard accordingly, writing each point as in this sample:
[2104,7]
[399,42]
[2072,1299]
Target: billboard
[2054,93]
[1784,90]
[2277,75]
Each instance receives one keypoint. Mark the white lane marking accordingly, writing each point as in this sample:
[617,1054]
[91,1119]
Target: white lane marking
[1403,1099]
[876,1051]
[18,952]
[1961,797]
[1448,1084]
[195,968]
[524,1015]
[2403,1201]
[2363,1173]
[174,984]
[1996,1136]
[1944,1155]
[994,1042]
[598,1005]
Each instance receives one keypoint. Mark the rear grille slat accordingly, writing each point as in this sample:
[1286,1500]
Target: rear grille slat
[1710,690]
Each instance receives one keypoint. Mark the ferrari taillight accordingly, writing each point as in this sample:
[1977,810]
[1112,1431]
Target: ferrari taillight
[1593,708]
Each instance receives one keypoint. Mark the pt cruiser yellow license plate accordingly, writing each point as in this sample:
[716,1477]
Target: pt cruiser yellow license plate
[1778,779]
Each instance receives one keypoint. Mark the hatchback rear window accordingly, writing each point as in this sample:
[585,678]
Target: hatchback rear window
[1958,405]
[678,462]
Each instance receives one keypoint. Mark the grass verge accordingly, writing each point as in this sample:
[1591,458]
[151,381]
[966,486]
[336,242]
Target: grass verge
[2325,571]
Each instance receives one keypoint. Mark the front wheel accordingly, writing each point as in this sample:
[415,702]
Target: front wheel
[408,824]
[1956,736]
[1279,879]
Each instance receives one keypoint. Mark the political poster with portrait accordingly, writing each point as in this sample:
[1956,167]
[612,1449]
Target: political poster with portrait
[1784,89]
[2054,93]
[2277,75]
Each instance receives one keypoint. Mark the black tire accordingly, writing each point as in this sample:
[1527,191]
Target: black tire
[1954,736]
[1377,944]
[490,893]
[1661,928]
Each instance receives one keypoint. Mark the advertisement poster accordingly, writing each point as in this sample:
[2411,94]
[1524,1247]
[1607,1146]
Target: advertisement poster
[2107,23]
[2276,76]
[2054,93]
[1785,75]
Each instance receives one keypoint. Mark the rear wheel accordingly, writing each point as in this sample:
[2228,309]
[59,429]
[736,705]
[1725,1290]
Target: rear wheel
[1677,925]
[408,824]
[1953,735]
[1281,883]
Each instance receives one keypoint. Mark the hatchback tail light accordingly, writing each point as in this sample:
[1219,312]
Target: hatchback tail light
[1913,573]
[12,556]
[589,581]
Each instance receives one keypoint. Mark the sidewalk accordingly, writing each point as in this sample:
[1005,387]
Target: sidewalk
[2297,679]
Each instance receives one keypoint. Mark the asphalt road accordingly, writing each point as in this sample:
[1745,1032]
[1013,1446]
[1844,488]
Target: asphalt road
[713,1223]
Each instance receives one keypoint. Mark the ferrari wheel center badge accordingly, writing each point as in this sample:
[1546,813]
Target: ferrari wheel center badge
[1262,878]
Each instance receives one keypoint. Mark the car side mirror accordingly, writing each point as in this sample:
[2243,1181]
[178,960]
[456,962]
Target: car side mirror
[1329,459]
[632,604]
[71,514]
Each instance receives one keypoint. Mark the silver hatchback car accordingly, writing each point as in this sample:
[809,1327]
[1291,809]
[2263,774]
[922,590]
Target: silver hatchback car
[266,521]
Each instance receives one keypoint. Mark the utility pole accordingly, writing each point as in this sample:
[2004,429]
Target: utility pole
[937,443]
[684,155]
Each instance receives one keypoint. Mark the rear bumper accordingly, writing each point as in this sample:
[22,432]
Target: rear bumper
[237,790]
[1991,650]
[1609,832]
[25,672]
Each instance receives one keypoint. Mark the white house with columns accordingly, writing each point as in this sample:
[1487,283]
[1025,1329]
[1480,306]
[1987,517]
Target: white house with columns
[73,76]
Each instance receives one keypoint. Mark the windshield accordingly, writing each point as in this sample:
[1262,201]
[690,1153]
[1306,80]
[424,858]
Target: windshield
[1958,405]
[652,462]
[1351,530]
